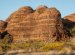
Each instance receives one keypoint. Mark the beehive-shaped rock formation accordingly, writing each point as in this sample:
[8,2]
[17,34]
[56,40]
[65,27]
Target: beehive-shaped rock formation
[40,24]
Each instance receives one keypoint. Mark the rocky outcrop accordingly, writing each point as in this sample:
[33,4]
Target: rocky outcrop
[70,17]
[70,20]
[40,24]
[41,9]
[21,13]
[70,23]
[4,35]
[3,25]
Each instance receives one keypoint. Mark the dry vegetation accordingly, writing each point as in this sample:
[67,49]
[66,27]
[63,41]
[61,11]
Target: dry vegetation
[38,46]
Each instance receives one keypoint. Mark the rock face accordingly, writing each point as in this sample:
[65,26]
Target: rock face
[70,20]
[21,13]
[40,24]
[4,34]
[70,23]
[70,17]
[3,25]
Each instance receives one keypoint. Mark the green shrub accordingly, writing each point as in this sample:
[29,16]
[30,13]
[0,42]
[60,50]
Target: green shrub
[4,47]
[73,31]
[52,46]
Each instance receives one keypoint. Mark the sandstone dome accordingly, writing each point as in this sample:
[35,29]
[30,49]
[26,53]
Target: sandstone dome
[36,25]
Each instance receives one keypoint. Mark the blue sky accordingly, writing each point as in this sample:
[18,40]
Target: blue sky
[9,6]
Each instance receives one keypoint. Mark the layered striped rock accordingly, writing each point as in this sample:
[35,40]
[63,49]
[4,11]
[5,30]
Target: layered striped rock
[27,24]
